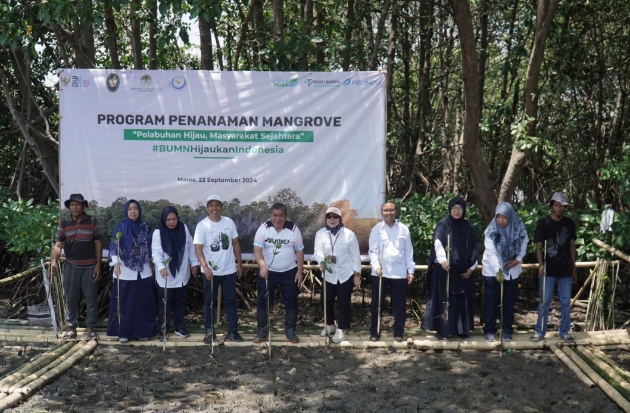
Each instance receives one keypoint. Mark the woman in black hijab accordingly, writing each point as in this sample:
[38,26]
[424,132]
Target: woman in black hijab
[456,317]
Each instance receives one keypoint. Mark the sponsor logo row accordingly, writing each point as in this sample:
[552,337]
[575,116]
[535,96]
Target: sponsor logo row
[178,82]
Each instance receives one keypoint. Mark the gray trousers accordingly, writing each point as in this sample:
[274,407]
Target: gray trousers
[76,280]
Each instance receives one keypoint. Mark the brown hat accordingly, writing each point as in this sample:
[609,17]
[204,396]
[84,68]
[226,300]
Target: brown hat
[77,198]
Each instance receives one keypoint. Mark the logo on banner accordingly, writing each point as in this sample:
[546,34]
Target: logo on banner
[112,82]
[74,81]
[350,82]
[280,82]
[321,83]
[178,82]
[146,80]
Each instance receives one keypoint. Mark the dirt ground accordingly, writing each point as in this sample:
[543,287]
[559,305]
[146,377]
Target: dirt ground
[312,379]
[144,379]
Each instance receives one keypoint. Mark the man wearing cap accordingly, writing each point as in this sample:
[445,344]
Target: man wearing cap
[558,233]
[216,246]
[80,237]
[279,252]
[391,256]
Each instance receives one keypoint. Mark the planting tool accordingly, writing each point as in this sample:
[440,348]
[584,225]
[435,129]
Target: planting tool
[380,290]
[544,281]
[448,276]
[268,316]
[501,280]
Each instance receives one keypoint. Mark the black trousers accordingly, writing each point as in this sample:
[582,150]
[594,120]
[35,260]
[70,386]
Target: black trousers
[343,293]
[398,288]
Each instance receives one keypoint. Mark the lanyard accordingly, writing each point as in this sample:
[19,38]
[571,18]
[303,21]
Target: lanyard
[332,244]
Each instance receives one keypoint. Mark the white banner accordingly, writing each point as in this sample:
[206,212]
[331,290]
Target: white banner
[180,136]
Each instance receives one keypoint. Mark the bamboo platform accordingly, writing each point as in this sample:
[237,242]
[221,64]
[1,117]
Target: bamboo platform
[12,332]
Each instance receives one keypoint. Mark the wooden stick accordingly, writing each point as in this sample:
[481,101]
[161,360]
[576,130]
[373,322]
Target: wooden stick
[579,293]
[612,250]
[20,394]
[55,362]
[572,366]
[601,382]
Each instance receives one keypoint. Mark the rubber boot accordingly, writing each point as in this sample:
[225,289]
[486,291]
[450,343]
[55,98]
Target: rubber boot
[262,326]
[290,324]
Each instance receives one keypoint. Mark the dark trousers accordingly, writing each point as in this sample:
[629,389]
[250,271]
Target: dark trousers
[398,288]
[288,289]
[492,301]
[228,287]
[343,293]
[75,281]
[175,302]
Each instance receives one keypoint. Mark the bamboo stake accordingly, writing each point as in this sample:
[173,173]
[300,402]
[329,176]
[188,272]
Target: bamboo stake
[448,276]
[26,369]
[17,396]
[599,380]
[612,250]
[605,367]
[55,362]
[572,366]
[9,280]
[603,356]
[579,293]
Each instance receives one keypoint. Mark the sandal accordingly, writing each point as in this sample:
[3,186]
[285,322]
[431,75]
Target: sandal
[70,335]
[92,336]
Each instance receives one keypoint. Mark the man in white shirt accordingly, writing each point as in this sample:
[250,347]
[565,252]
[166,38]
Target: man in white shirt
[391,256]
[279,252]
[216,246]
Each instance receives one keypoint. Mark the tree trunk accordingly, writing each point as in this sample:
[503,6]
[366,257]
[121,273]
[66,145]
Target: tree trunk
[152,35]
[379,35]
[259,42]
[307,25]
[391,60]
[243,35]
[136,42]
[278,20]
[347,37]
[112,37]
[213,26]
[483,192]
[205,43]
[320,56]
[544,17]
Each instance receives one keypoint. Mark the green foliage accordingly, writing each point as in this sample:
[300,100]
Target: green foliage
[422,214]
[27,228]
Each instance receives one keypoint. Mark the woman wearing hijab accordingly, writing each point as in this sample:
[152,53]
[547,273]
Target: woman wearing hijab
[338,247]
[132,304]
[456,318]
[505,246]
[173,252]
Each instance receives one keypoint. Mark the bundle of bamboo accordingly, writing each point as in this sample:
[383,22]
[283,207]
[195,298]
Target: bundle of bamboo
[24,381]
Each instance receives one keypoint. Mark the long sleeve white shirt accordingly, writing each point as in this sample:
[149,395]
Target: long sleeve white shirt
[127,274]
[159,256]
[440,254]
[345,247]
[491,262]
[394,246]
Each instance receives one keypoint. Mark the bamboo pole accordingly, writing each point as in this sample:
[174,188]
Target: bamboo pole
[20,394]
[17,277]
[597,352]
[601,382]
[572,366]
[55,362]
[605,367]
[611,249]
[579,293]
[27,368]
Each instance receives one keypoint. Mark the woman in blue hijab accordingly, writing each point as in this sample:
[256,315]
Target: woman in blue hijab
[173,241]
[132,303]
[458,265]
[505,246]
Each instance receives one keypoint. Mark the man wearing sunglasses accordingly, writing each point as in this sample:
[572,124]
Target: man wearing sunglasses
[391,256]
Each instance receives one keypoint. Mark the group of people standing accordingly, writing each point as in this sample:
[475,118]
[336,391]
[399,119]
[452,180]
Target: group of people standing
[215,254]
[454,252]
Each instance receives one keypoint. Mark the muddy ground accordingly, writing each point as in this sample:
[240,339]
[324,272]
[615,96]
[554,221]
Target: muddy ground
[303,379]
[142,379]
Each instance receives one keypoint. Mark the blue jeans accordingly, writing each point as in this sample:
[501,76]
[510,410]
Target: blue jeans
[228,287]
[564,295]
[492,301]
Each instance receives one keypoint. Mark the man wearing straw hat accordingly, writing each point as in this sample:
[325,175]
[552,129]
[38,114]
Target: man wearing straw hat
[555,234]
[80,237]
